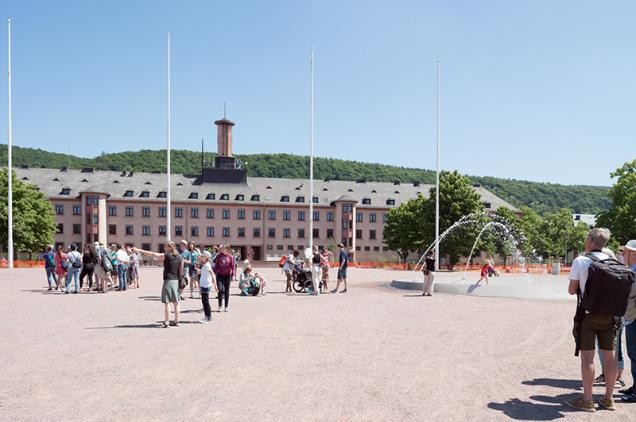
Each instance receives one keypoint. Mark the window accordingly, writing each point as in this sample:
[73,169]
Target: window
[193,195]
[347,208]
[284,198]
[239,197]
[60,228]
[112,211]
[376,248]
[314,199]
[226,214]
[210,196]
[226,232]
[358,217]
[92,200]
[225,197]
[286,215]
[194,231]
[162,194]
[488,205]
[256,215]
[59,209]
[144,194]
[345,224]
[301,215]
[129,230]
[358,234]
[271,215]
[366,201]
[329,215]
[256,232]
[178,231]
[390,201]
[209,231]
[373,218]
[385,217]
[279,247]
[270,247]
[329,233]
[145,211]
[162,211]
[77,229]
[241,232]
[194,213]
[372,234]
[65,191]
[95,219]
[77,210]
[128,194]
[316,215]
[145,230]
[255,198]
[130,211]
[316,233]
[178,212]
[286,233]
[367,248]
[146,246]
[240,214]
[301,233]
[210,213]
[300,199]
[162,230]
[271,232]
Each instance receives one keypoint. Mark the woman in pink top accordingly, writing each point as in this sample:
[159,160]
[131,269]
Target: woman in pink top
[60,271]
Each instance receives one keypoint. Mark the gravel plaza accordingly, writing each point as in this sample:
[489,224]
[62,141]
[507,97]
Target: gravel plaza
[372,354]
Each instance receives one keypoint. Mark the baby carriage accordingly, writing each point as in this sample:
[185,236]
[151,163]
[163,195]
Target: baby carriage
[302,279]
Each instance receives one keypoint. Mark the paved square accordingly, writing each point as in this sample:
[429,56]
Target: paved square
[372,354]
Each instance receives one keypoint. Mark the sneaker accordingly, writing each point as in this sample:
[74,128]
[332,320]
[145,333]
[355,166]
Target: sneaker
[581,404]
[334,291]
[628,391]
[225,310]
[607,404]
[600,380]
[629,398]
[620,383]
[343,291]
[204,321]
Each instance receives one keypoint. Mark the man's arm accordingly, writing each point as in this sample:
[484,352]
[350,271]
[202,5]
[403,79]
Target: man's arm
[573,287]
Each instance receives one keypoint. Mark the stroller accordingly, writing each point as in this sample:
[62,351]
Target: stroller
[302,279]
[252,289]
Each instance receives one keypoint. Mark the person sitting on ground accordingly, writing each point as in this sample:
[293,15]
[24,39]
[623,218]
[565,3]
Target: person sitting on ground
[249,283]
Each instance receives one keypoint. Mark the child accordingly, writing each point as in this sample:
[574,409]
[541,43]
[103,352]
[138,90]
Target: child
[206,282]
[484,272]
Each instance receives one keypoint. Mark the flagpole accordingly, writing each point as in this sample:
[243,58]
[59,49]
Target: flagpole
[311,153]
[9,152]
[437,176]
[169,130]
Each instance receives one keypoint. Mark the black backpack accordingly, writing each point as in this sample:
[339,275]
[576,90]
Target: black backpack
[607,288]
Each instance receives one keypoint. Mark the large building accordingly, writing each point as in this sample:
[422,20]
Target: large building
[263,217]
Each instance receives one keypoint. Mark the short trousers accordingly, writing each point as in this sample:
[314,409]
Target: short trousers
[342,273]
[602,327]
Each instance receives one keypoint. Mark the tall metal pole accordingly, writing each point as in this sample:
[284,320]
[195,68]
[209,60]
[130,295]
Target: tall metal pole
[169,201]
[9,152]
[437,176]
[311,153]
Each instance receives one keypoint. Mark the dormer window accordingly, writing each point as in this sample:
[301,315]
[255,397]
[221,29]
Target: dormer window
[374,191]
[55,179]
[115,181]
[144,194]
[397,182]
[179,184]
[65,191]
[255,198]
[84,180]
[487,205]
[239,197]
[210,196]
[269,187]
[193,195]
[314,199]
[25,178]
[349,190]
[366,201]
[325,189]
[284,198]
[390,201]
[300,199]
[148,183]
[225,197]
[128,194]
[162,194]
[397,191]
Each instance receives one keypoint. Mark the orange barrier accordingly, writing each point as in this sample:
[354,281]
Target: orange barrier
[22,264]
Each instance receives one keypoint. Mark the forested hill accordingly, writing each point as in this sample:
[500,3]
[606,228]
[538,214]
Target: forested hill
[542,197]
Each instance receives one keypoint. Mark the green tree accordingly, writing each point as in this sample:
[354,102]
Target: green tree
[530,226]
[556,230]
[33,217]
[620,218]
[400,230]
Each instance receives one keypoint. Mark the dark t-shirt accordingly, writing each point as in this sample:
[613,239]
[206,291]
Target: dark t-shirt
[316,258]
[343,259]
[171,267]
[430,264]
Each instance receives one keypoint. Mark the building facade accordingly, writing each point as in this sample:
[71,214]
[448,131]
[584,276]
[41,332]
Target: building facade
[262,217]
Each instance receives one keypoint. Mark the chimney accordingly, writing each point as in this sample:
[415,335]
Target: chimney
[224,137]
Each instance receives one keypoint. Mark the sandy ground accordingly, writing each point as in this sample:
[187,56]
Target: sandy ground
[372,354]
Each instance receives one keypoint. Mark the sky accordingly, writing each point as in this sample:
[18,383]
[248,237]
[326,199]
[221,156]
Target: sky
[533,90]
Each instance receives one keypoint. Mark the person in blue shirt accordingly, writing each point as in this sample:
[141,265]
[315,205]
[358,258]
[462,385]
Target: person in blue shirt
[343,260]
[49,267]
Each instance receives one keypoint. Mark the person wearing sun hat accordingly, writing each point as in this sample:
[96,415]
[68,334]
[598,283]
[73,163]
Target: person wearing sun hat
[630,323]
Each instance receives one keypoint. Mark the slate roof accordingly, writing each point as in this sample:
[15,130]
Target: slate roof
[268,190]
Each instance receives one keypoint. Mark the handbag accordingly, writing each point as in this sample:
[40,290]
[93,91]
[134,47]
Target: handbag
[183,282]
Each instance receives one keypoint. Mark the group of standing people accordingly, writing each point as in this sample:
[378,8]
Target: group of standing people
[115,267]
[319,264]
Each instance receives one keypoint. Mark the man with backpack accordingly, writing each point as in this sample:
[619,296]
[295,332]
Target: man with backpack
[49,267]
[599,283]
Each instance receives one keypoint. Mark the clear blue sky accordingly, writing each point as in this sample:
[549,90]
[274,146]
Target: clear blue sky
[537,90]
